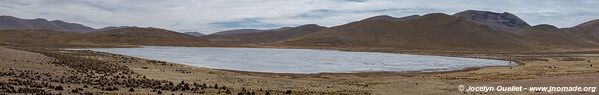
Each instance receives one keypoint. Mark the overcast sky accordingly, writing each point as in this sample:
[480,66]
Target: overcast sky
[208,16]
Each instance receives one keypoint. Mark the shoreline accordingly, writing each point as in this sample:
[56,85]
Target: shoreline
[515,63]
[350,73]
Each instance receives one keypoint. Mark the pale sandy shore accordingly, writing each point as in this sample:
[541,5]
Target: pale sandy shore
[42,70]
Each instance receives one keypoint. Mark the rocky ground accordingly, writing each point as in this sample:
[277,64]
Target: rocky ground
[57,71]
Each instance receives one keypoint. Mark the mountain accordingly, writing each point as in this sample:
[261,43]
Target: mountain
[143,36]
[491,18]
[266,36]
[37,36]
[113,27]
[238,31]
[464,31]
[72,27]
[195,34]
[549,36]
[13,23]
[468,30]
[124,36]
[431,31]
[588,30]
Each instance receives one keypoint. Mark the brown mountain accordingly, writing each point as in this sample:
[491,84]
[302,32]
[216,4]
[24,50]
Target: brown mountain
[37,36]
[588,30]
[12,23]
[431,31]
[265,36]
[124,36]
[143,36]
[549,36]
[468,30]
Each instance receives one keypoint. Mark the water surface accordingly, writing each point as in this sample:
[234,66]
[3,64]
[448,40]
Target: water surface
[300,60]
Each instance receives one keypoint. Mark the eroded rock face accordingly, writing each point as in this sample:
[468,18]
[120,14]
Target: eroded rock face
[505,19]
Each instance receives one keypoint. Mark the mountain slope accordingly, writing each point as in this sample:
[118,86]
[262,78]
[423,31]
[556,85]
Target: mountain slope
[550,36]
[37,36]
[143,36]
[268,36]
[588,30]
[431,31]
[124,36]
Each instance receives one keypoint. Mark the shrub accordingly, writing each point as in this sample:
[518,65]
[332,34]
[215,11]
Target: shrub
[228,91]
[76,90]
[288,92]
[58,88]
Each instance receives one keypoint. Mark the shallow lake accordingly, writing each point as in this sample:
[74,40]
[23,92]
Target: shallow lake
[301,60]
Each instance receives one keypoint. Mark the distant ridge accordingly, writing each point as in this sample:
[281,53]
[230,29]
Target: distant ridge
[265,36]
[114,27]
[9,22]
[123,36]
[195,34]
[143,36]
[14,23]
[469,30]
[238,31]
[430,31]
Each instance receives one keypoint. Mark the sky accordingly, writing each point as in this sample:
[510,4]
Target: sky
[209,16]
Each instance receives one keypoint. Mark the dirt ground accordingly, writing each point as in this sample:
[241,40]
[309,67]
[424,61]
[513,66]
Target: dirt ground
[57,71]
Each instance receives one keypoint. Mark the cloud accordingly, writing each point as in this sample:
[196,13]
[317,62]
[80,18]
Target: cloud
[353,0]
[245,23]
[208,16]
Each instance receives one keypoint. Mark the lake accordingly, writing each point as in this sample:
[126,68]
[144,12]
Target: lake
[304,61]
